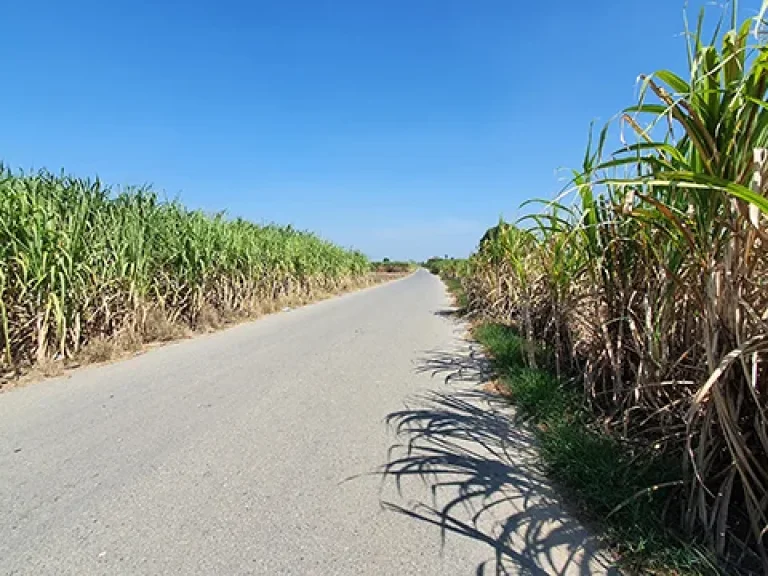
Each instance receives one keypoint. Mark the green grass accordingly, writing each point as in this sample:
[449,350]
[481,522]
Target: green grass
[610,483]
[446,269]
[454,287]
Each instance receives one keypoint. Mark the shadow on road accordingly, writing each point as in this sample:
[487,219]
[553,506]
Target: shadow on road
[448,312]
[468,366]
[481,475]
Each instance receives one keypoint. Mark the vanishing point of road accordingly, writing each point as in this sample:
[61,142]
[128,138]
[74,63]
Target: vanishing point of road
[351,436]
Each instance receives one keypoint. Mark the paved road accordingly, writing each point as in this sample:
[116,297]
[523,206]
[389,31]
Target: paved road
[323,440]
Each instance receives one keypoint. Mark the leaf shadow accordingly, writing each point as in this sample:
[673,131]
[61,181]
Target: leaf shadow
[483,481]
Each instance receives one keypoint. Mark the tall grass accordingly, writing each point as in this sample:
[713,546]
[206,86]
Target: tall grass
[653,284]
[80,263]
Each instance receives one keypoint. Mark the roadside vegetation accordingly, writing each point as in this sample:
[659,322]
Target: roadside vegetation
[85,270]
[446,267]
[612,483]
[387,266]
[629,316]
[451,271]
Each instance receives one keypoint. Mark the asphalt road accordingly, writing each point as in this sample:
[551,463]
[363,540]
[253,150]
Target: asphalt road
[323,440]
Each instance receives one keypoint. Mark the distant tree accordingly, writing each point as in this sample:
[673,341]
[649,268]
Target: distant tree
[385,260]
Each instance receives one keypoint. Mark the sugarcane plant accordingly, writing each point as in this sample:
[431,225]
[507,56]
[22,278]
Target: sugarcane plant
[653,283]
[80,262]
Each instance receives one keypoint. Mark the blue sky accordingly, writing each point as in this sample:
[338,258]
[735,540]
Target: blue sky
[401,127]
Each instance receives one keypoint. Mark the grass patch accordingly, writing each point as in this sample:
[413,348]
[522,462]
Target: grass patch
[453,284]
[454,287]
[621,489]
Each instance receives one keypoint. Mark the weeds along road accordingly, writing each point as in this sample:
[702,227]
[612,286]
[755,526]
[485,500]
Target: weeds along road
[323,440]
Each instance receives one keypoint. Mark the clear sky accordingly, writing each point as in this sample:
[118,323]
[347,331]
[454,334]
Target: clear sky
[400,127]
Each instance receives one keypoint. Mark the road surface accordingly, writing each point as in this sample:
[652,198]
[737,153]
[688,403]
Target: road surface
[322,440]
